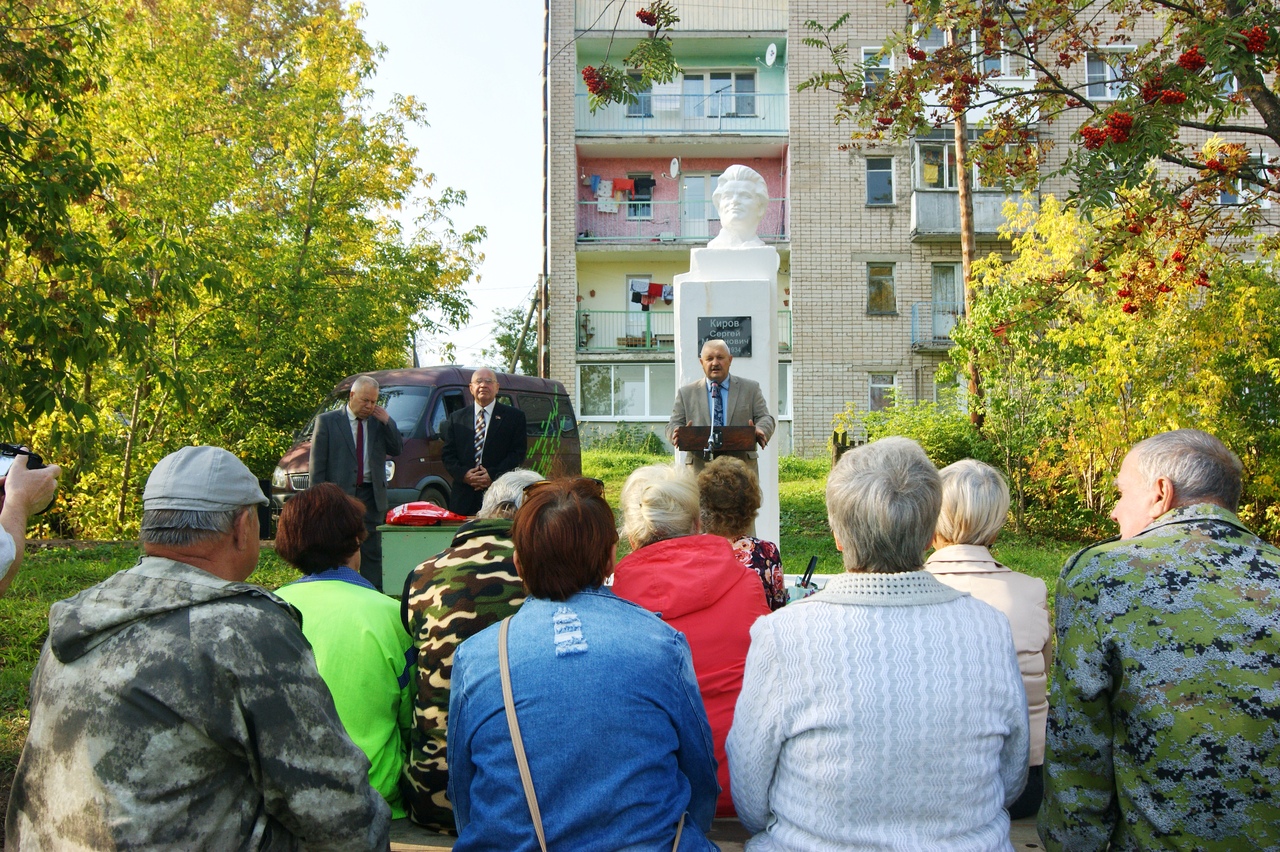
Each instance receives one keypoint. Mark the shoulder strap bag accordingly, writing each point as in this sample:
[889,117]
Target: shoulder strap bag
[517,743]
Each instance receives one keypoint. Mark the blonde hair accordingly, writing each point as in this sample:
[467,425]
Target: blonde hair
[975,501]
[659,501]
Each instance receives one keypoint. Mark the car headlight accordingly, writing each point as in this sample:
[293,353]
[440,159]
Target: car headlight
[279,479]
[391,470]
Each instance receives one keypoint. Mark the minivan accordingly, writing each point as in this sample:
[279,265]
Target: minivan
[420,399]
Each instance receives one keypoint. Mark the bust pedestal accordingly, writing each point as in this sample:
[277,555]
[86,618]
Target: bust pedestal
[731,284]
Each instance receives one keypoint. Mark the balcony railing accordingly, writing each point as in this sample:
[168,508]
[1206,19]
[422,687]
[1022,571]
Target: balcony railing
[742,15]
[931,324]
[935,214]
[666,221]
[645,331]
[737,114]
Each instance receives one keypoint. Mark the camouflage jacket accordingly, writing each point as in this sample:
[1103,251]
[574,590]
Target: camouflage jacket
[1164,708]
[447,599]
[172,709]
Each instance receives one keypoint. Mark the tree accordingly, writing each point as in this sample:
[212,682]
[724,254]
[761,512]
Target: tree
[650,61]
[510,325]
[1155,103]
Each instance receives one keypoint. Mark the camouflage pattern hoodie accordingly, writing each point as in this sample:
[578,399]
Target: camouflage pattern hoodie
[173,709]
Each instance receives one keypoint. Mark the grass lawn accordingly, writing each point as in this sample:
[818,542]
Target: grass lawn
[51,574]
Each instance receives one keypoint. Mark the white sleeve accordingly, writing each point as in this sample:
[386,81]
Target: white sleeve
[8,552]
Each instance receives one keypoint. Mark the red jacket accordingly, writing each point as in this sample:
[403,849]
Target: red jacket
[699,587]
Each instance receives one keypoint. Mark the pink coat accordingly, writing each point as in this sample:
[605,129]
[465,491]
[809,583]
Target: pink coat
[1023,600]
[697,585]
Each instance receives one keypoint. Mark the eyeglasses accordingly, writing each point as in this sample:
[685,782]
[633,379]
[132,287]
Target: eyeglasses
[581,485]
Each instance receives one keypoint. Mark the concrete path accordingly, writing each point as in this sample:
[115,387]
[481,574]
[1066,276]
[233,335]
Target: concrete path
[726,833]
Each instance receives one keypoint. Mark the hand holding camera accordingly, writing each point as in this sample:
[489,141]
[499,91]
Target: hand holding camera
[27,484]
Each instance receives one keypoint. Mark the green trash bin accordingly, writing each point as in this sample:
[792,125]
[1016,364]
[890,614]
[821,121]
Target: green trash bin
[405,548]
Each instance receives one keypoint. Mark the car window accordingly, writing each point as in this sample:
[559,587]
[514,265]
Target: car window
[447,403]
[537,409]
[505,399]
[332,405]
[405,405]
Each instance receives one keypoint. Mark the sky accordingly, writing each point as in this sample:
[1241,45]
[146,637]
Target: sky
[476,66]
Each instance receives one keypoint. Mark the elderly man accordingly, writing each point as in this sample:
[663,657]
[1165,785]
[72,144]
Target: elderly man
[1163,723]
[720,401]
[23,493]
[482,442]
[448,598]
[741,197]
[176,706]
[361,430]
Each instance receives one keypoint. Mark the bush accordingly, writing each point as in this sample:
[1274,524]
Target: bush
[626,438]
[941,428]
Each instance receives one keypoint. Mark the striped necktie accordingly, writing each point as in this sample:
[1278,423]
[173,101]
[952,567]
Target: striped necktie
[480,433]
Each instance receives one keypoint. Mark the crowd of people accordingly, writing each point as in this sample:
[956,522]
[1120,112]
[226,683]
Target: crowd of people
[532,691]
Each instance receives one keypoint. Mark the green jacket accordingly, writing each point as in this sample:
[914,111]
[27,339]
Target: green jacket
[1164,705]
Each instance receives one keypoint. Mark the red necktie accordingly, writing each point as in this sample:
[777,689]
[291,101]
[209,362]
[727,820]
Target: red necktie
[359,452]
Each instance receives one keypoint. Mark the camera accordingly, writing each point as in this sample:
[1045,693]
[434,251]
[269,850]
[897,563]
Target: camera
[9,452]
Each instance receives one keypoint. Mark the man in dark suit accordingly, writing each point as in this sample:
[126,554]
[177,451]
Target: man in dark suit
[481,443]
[721,401]
[363,430]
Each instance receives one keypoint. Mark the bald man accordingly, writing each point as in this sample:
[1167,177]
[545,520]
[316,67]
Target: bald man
[721,400]
[481,443]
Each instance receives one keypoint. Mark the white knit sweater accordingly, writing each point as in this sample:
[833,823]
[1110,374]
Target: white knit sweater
[885,712]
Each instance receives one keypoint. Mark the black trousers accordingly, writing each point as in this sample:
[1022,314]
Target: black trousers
[1029,802]
[371,550]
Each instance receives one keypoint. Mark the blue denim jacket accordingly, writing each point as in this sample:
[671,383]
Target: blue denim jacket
[613,726]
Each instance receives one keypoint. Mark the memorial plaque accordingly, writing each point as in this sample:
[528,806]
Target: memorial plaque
[734,331]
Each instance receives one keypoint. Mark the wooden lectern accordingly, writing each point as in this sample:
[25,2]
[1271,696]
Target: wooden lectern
[727,439]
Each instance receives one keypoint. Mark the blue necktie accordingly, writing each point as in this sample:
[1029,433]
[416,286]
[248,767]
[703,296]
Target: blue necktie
[717,405]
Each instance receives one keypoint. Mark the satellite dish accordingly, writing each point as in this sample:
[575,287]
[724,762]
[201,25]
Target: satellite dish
[771,54]
[675,167]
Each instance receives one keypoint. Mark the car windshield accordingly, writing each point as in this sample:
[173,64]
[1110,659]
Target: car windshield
[404,404]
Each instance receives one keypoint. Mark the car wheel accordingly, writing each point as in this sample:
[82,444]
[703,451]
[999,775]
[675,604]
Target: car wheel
[432,494]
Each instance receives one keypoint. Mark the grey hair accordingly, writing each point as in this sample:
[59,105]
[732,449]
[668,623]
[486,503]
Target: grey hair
[975,501]
[745,174]
[1201,468]
[506,493]
[186,527]
[364,382]
[883,500]
[716,343]
[658,502]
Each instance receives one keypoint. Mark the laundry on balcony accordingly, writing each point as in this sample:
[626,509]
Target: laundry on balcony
[604,197]
[624,185]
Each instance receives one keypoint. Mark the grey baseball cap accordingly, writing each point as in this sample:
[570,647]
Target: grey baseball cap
[201,479]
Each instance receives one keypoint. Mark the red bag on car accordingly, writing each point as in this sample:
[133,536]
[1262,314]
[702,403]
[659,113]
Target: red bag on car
[421,514]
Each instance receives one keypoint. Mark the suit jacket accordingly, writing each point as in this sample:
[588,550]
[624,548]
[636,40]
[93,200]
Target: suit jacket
[333,453]
[504,451]
[746,403]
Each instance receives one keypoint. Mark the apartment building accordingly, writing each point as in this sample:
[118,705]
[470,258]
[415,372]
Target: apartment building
[869,284]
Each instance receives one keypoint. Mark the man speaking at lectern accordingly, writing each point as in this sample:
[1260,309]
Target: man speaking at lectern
[721,400]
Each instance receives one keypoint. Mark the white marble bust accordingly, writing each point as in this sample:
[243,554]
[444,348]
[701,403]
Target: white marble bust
[741,196]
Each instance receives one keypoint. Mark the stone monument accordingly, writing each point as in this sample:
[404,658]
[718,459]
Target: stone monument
[731,292]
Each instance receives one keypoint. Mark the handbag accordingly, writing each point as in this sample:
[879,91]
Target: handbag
[517,743]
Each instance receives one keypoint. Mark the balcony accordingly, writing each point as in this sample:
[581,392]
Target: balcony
[675,222]
[645,331]
[742,15]
[658,114]
[931,324]
[935,214]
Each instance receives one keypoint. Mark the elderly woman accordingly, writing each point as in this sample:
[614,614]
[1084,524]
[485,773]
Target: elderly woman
[361,650]
[729,496]
[698,587]
[602,696]
[886,711]
[451,597]
[975,501]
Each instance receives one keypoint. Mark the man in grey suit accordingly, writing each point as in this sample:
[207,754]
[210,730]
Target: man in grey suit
[360,429]
[720,400]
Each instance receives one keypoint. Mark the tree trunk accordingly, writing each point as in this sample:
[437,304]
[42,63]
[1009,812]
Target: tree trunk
[968,247]
[128,448]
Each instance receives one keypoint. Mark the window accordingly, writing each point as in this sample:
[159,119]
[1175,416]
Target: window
[931,39]
[937,162]
[1226,83]
[880,293]
[641,204]
[882,388]
[626,391]
[784,390]
[1104,75]
[643,107]
[715,94]
[875,68]
[879,180]
[1243,191]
